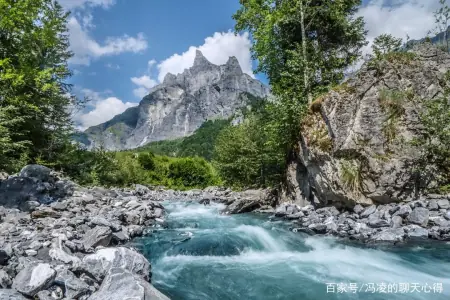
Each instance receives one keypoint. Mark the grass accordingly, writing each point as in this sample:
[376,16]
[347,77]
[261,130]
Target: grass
[350,174]
[392,102]
[316,133]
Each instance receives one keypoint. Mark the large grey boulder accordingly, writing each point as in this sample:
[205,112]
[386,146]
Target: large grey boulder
[34,278]
[242,206]
[97,236]
[102,260]
[120,284]
[73,286]
[179,106]
[419,216]
[415,232]
[368,211]
[443,203]
[350,151]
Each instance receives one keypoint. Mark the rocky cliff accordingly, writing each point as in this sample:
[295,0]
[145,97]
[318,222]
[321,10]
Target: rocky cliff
[356,143]
[180,105]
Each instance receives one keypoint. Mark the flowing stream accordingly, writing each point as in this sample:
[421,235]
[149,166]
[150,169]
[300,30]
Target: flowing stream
[204,255]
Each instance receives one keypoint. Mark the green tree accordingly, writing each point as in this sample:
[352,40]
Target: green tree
[302,45]
[386,43]
[33,75]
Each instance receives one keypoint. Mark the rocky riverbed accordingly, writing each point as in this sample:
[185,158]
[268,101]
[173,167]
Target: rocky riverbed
[62,241]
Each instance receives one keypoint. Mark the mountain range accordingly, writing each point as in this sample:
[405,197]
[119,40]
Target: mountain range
[179,106]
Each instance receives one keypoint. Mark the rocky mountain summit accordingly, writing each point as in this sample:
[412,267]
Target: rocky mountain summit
[357,143]
[179,105]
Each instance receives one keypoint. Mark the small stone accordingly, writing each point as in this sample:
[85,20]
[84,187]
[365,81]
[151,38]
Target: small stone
[396,222]
[59,206]
[31,252]
[358,209]
[404,211]
[432,205]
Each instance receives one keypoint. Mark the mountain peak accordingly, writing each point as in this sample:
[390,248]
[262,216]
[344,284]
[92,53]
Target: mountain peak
[232,66]
[200,59]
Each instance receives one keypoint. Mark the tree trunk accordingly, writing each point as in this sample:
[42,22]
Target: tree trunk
[305,59]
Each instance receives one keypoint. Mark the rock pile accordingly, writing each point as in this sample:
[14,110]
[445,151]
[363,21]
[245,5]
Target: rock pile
[69,249]
[391,223]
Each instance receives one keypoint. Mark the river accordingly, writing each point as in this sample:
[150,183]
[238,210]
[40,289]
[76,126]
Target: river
[202,254]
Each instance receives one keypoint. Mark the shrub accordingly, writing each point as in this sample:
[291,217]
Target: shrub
[191,172]
[146,160]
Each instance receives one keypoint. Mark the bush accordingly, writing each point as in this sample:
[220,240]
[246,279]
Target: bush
[191,172]
[146,160]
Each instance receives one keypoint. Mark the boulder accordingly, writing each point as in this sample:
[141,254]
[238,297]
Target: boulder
[73,286]
[358,209]
[419,216]
[396,222]
[102,260]
[404,211]
[376,222]
[443,203]
[432,205]
[391,235]
[4,257]
[5,280]
[368,211]
[97,236]
[415,232]
[6,294]
[242,206]
[34,278]
[120,284]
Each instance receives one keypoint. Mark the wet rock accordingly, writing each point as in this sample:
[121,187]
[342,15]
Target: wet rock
[242,206]
[104,259]
[419,216]
[295,216]
[391,235]
[318,228]
[120,284]
[414,232]
[98,236]
[34,278]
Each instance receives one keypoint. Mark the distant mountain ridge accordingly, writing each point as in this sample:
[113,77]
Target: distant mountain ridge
[178,106]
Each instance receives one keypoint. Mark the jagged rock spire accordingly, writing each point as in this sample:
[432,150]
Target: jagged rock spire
[233,67]
[200,59]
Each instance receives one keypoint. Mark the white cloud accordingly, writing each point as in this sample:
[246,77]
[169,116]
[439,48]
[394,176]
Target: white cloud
[217,49]
[102,109]
[73,4]
[399,18]
[151,63]
[144,83]
[85,47]
[112,66]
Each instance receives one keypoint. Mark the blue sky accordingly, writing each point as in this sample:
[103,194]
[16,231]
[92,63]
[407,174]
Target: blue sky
[124,47]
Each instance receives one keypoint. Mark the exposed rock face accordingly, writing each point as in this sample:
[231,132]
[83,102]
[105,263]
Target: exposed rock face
[356,148]
[178,106]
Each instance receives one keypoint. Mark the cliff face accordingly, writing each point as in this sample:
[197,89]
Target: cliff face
[357,148]
[178,106]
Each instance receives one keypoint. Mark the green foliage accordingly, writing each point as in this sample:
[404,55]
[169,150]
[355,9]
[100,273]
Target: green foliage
[350,174]
[434,140]
[392,102]
[201,143]
[442,18]
[146,160]
[191,172]
[34,96]
[331,41]
[253,152]
[386,43]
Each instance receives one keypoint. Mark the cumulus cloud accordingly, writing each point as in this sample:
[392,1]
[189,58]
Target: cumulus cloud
[103,107]
[85,47]
[144,83]
[399,18]
[217,49]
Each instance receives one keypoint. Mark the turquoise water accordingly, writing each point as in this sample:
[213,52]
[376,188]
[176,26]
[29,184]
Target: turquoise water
[204,255]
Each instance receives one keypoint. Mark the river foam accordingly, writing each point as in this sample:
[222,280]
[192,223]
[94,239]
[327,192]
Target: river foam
[246,257]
